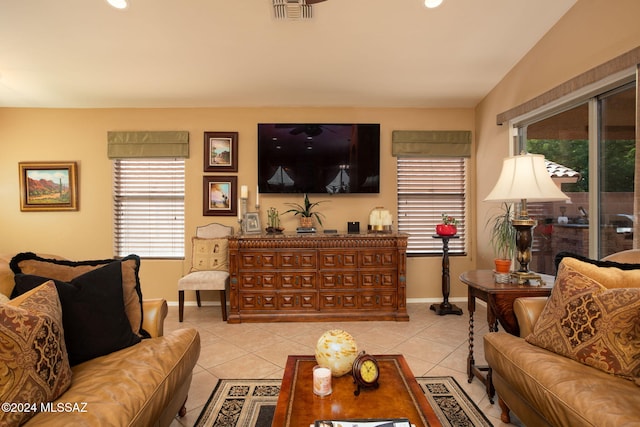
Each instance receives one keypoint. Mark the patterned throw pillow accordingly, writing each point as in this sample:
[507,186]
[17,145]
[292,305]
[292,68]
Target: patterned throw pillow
[209,254]
[34,366]
[585,321]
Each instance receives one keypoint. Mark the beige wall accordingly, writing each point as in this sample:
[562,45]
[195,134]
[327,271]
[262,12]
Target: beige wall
[591,33]
[80,135]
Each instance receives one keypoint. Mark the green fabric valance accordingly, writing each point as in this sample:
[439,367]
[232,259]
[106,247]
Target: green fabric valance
[431,143]
[148,144]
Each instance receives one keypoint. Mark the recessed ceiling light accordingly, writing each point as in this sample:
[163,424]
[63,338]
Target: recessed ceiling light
[432,3]
[118,4]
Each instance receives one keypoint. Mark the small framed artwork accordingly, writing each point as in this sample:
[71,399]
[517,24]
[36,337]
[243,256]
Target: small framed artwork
[253,223]
[48,186]
[220,194]
[221,151]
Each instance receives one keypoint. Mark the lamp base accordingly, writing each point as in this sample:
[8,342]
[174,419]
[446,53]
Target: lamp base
[524,278]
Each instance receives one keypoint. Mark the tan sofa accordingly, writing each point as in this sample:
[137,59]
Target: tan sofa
[143,385]
[546,389]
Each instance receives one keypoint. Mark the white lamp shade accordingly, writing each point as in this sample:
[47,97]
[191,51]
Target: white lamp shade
[525,177]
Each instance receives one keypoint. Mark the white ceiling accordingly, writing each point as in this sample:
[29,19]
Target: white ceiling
[210,53]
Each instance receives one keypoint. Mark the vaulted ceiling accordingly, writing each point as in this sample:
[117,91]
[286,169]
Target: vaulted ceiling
[212,53]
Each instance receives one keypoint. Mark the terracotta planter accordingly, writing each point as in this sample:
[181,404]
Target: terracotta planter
[446,230]
[306,221]
[502,265]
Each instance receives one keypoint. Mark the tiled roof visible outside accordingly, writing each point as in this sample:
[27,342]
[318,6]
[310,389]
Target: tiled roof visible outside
[558,171]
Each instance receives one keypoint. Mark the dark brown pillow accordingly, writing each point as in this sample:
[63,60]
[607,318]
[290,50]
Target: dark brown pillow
[64,270]
[93,313]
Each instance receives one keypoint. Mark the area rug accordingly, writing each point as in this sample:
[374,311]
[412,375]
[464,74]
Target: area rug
[251,403]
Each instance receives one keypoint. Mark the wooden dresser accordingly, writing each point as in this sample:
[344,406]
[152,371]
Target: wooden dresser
[317,277]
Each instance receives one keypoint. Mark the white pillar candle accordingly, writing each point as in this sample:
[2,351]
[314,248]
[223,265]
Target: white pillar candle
[244,192]
[321,381]
[257,195]
[239,209]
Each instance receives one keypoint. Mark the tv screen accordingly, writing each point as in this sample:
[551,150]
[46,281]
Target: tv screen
[318,158]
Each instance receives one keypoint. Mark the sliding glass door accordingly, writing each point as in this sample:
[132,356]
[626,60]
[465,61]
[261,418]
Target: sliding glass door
[590,148]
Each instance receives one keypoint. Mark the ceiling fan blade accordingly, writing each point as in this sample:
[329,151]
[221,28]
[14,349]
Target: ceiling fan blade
[314,1]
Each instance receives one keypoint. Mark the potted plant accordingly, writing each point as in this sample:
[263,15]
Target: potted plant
[273,221]
[503,238]
[448,227]
[305,212]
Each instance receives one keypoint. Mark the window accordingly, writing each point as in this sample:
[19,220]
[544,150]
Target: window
[427,188]
[594,137]
[149,207]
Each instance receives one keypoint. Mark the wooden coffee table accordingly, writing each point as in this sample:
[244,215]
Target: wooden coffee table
[399,396]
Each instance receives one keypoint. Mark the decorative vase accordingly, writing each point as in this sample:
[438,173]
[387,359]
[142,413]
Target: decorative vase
[336,349]
[306,221]
[502,265]
[446,230]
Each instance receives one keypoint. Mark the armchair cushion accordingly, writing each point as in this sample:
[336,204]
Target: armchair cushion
[93,314]
[587,322]
[33,358]
[64,270]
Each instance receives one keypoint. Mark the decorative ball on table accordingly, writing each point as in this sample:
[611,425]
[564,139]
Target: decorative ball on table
[336,350]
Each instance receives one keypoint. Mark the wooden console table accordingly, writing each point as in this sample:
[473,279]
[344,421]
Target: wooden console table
[499,298]
[317,277]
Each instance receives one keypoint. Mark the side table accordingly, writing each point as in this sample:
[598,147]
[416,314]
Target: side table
[499,298]
[445,307]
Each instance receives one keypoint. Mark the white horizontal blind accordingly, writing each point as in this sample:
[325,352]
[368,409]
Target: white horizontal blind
[428,188]
[149,207]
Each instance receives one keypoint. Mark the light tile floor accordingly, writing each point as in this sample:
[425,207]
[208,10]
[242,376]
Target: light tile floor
[432,345]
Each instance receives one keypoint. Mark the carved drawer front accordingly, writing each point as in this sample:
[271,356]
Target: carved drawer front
[297,259]
[338,280]
[297,301]
[297,280]
[252,260]
[258,280]
[258,301]
[378,300]
[338,259]
[378,259]
[331,300]
[378,279]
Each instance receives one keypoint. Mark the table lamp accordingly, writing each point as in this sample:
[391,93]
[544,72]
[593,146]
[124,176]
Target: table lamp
[525,177]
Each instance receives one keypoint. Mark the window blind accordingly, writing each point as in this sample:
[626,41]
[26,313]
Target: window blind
[149,207]
[428,188]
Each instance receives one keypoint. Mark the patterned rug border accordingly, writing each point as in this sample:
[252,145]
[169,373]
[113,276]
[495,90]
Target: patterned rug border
[226,404]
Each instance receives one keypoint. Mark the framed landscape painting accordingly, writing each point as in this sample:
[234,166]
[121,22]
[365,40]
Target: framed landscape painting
[221,151]
[219,195]
[48,186]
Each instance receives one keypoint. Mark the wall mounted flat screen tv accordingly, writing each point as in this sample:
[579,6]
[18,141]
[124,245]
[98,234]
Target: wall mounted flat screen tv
[318,158]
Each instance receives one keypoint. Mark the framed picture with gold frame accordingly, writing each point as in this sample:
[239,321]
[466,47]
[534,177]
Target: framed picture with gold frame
[221,151]
[220,194]
[48,186]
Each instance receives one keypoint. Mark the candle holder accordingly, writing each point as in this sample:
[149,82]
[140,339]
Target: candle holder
[243,217]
